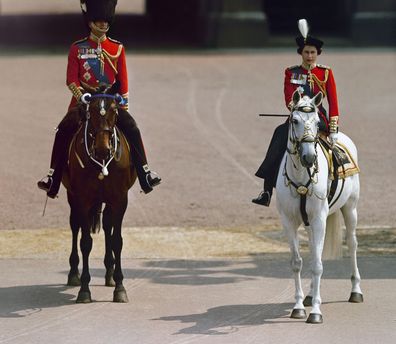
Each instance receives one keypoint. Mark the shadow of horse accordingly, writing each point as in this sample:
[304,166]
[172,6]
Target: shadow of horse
[225,271]
[23,301]
[228,319]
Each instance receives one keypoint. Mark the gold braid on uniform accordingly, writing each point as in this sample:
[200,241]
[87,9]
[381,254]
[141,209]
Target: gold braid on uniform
[333,125]
[77,91]
[112,59]
[321,83]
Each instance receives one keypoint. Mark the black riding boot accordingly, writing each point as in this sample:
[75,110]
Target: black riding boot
[64,134]
[147,179]
[270,166]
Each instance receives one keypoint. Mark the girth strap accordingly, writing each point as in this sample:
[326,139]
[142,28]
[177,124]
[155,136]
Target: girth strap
[338,160]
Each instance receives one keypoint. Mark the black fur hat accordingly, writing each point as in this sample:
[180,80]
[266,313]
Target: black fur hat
[96,10]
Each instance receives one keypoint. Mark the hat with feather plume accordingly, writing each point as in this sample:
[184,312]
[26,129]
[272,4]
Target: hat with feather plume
[306,39]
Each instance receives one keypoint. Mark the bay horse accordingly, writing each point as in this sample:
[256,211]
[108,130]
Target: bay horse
[303,187]
[99,171]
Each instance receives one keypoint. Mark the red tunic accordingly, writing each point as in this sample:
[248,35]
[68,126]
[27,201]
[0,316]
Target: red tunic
[310,83]
[92,64]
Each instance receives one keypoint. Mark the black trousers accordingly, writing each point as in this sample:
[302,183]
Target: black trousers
[128,126]
[269,168]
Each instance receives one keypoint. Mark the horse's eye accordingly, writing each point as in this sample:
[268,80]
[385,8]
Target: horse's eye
[294,121]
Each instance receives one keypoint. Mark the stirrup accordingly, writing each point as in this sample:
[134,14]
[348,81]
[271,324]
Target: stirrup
[264,198]
[45,185]
[153,179]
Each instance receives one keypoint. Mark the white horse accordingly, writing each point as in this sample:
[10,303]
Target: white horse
[303,186]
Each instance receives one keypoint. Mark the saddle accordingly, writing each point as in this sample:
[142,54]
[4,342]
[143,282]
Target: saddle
[341,165]
[340,161]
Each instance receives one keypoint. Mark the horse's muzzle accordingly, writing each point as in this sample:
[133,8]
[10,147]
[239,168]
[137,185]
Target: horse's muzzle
[307,160]
[103,145]
[307,152]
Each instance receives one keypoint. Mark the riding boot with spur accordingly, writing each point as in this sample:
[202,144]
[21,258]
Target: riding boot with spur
[64,133]
[147,179]
[264,198]
[51,183]
[270,167]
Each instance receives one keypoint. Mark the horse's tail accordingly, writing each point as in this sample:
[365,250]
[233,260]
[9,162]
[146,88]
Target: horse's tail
[332,248]
[97,219]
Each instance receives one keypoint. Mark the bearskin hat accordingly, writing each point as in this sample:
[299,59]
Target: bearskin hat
[306,39]
[96,10]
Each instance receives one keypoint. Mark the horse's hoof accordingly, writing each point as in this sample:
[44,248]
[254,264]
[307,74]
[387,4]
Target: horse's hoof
[84,297]
[109,281]
[315,318]
[298,314]
[307,301]
[356,298]
[73,280]
[120,295]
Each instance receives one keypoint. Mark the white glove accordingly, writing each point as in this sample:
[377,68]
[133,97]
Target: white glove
[333,138]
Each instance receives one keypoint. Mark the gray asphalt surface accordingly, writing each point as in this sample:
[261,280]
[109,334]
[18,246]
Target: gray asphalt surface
[187,301]
[198,116]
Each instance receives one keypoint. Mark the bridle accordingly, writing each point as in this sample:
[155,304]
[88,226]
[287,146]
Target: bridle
[307,137]
[113,132]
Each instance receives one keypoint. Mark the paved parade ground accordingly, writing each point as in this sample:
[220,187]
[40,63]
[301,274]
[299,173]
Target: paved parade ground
[202,263]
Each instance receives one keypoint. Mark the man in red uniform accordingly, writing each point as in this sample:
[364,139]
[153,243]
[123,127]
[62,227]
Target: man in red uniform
[309,79]
[94,63]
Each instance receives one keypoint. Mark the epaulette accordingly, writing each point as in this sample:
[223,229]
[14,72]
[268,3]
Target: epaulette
[80,40]
[293,67]
[323,66]
[114,40]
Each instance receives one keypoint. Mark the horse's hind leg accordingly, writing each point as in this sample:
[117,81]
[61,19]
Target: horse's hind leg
[350,218]
[296,263]
[73,279]
[109,258]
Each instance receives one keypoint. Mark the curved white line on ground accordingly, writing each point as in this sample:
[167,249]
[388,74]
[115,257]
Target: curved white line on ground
[193,113]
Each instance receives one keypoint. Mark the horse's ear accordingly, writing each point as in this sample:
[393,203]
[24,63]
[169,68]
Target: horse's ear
[318,99]
[296,97]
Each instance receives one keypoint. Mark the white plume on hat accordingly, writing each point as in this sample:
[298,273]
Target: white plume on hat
[303,27]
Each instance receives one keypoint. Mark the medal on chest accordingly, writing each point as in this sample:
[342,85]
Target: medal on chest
[92,57]
[298,79]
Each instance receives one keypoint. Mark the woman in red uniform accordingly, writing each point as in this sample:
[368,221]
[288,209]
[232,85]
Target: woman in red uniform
[94,63]
[309,79]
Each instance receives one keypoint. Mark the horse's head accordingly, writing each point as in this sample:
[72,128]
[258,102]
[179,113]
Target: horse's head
[304,124]
[102,110]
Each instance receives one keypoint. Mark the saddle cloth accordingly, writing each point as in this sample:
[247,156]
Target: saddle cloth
[340,161]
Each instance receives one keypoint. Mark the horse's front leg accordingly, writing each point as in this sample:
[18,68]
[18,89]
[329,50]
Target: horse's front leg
[73,279]
[84,295]
[109,258]
[317,235]
[120,294]
[296,262]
